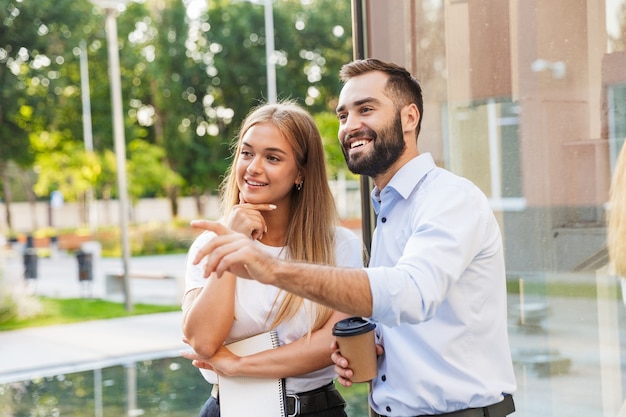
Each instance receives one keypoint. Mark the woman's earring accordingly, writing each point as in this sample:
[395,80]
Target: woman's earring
[299,185]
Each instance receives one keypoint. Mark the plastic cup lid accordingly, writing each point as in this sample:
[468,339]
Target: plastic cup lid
[353,326]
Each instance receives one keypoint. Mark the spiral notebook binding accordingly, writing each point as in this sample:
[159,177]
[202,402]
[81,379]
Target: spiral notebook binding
[283,389]
[283,398]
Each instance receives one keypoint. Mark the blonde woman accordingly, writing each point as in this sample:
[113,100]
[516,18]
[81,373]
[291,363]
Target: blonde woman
[276,192]
[616,215]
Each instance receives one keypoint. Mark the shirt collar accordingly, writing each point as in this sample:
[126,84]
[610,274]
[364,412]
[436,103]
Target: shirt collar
[407,178]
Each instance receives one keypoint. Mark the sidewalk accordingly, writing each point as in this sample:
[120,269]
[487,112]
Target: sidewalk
[52,350]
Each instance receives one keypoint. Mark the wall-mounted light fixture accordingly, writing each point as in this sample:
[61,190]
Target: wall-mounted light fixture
[557,68]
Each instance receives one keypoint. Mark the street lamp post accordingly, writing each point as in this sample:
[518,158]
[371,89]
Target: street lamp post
[111,6]
[269,51]
[269,48]
[87,130]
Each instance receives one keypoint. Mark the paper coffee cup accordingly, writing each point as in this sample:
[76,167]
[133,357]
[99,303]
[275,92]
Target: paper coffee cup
[355,337]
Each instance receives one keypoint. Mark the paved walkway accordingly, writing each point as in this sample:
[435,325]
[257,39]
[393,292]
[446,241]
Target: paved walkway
[52,350]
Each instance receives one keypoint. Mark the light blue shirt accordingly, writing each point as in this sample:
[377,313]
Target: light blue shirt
[439,295]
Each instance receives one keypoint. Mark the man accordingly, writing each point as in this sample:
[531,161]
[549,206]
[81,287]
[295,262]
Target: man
[436,281]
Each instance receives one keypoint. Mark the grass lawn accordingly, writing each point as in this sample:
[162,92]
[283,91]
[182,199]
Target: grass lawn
[72,310]
[565,289]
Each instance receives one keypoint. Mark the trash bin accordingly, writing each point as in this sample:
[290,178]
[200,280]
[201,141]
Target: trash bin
[30,242]
[30,263]
[54,246]
[85,265]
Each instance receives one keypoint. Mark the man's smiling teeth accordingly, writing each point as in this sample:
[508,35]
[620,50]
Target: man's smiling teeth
[358,143]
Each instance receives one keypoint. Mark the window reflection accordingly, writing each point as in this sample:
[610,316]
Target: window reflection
[616,25]
[616,98]
[527,98]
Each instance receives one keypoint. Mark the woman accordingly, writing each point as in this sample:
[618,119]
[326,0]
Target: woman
[276,192]
[616,221]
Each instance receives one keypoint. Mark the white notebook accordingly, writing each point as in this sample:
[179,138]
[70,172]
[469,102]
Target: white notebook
[248,396]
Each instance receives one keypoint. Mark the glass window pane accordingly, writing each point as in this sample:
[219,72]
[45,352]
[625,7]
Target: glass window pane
[528,100]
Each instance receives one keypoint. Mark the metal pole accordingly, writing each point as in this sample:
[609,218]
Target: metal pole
[120,145]
[359,37]
[359,44]
[97,392]
[84,85]
[131,389]
[269,52]
[87,129]
[269,47]
[358,29]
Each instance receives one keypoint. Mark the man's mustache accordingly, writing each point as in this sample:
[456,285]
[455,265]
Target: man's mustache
[359,134]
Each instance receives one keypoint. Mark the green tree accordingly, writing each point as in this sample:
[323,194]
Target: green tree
[187,84]
[311,40]
[64,166]
[62,163]
[328,125]
[147,178]
[169,81]
[35,41]
[316,40]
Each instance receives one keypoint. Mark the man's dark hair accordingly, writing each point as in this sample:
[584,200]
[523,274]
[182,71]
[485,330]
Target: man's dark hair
[401,86]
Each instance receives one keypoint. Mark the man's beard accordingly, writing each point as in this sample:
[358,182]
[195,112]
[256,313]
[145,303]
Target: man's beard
[387,148]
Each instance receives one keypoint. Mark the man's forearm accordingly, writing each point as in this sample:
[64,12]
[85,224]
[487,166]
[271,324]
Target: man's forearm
[342,289]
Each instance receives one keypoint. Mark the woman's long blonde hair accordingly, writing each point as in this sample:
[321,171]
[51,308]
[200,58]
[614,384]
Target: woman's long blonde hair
[311,230]
[616,216]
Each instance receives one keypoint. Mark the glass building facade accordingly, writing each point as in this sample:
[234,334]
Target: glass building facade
[527,98]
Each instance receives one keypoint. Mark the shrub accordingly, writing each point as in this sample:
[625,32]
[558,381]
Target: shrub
[148,239]
[15,301]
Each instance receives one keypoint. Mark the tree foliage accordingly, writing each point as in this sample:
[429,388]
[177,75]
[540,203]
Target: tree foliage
[36,39]
[187,83]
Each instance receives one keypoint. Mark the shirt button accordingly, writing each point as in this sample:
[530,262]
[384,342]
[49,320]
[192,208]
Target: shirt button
[388,409]
[384,378]
[384,220]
